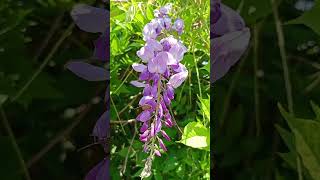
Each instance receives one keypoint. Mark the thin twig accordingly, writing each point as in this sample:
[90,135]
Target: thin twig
[14,144]
[175,122]
[115,108]
[45,42]
[44,63]
[256,85]
[281,44]
[59,137]
[129,149]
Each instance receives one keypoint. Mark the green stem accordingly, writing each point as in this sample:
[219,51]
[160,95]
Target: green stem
[256,85]
[14,144]
[281,44]
[44,63]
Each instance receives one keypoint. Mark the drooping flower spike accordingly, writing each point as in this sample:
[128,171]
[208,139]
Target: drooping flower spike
[160,73]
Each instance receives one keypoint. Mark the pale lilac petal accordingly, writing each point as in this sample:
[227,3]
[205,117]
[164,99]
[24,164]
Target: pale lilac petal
[144,127]
[165,135]
[145,53]
[90,19]
[145,75]
[145,99]
[177,79]
[178,51]
[87,71]
[144,116]
[157,153]
[139,67]
[138,84]
[154,45]
[162,145]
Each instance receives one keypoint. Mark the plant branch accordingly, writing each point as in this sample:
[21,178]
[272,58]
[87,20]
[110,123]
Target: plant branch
[14,144]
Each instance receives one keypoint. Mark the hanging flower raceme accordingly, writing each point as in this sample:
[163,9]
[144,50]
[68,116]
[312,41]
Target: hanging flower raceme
[161,72]
[229,39]
[95,20]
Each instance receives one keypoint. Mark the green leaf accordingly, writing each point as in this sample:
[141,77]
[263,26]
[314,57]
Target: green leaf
[310,18]
[316,110]
[310,161]
[287,137]
[3,98]
[196,135]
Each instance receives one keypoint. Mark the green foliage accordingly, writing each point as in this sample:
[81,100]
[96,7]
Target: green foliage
[303,140]
[180,161]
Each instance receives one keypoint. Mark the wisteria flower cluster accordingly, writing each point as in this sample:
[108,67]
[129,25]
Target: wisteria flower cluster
[95,20]
[229,38]
[160,74]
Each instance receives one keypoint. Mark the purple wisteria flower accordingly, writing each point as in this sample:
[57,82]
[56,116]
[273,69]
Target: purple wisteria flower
[160,73]
[95,20]
[229,38]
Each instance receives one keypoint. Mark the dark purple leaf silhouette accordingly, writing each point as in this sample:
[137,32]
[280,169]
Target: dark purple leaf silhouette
[87,71]
[102,48]
[100,171]
[90,19]
[227,50]
[229,21]
[230,38]
[101,128]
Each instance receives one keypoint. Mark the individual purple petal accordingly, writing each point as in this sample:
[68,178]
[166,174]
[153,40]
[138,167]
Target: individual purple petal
[90,19]
[137,84]
[101,48]
[145,134]
[100,171]
[154,90]
[165,135]
[147,90]
[162,144]
[170,92]
[144,116]
[178,25]
[167,23]
[154,45]
[157,153]
[145,53]
[165,10]
[228,22]
[226,51]
[145,75]
[164,107]
[160,62]
[177,79]
[166,98]
[144,127]
[145,99]
[152,130]
[139,67]
[87,71]
[168,120]
[177,52]
[158,125]
[179,68]
[149,31]
[102,126]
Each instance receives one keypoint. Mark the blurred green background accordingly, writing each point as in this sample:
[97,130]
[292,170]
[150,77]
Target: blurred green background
[252,139]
